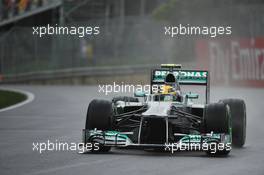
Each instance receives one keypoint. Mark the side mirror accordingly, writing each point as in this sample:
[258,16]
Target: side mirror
[139,94]
[192,96]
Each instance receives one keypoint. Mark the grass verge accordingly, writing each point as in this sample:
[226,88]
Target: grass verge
[8,98]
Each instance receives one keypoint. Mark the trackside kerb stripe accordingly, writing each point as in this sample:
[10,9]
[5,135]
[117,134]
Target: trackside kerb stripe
[30,98]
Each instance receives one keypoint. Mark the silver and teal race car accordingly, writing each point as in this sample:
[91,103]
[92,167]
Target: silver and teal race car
[168,119]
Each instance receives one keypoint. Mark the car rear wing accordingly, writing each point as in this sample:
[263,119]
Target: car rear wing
[184,77]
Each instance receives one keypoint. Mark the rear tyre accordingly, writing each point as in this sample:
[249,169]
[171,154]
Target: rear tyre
[99,116]
[238,115]
[217,119]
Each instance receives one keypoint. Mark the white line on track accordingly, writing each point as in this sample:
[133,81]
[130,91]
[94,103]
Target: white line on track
[30,98]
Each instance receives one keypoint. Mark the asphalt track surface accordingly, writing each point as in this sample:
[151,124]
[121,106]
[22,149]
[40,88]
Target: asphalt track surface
[58,113]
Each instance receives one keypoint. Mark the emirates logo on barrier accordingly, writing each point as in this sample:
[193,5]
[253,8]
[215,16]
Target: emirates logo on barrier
[233,61]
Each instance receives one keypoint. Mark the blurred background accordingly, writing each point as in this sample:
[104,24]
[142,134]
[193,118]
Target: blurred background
[131,40]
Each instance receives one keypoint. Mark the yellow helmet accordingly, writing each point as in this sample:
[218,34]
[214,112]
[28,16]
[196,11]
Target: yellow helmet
[168,89]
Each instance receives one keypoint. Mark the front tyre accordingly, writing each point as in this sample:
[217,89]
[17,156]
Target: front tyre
[217,120]
[99,116]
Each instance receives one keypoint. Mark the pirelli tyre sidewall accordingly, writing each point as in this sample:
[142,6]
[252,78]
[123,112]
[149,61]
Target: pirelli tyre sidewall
[217,119]
[238,115]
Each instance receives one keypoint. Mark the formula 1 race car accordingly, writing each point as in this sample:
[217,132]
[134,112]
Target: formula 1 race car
[168,119]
